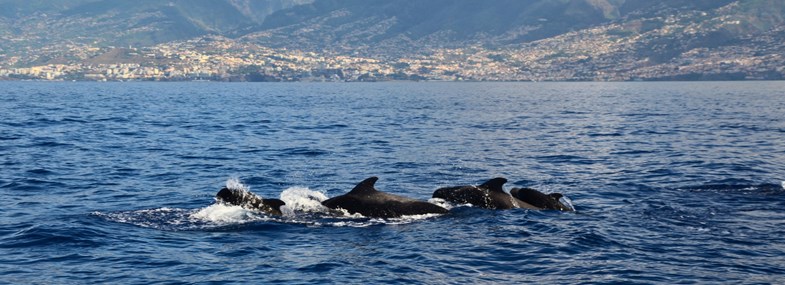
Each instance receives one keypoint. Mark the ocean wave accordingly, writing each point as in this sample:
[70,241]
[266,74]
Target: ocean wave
[764,188]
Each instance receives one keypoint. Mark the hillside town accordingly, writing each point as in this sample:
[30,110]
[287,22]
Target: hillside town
[716,40]
[598,54]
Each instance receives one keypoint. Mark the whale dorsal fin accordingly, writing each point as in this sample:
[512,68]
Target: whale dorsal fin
[495,185]
[365,187]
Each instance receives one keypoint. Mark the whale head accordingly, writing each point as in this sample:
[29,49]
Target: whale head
[249,200]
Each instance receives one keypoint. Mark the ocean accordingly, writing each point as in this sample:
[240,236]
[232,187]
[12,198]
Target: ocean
[672,182]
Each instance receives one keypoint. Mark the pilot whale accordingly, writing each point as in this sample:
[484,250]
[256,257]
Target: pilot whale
[541,200]
[249,201]
[365,200]
[489,195]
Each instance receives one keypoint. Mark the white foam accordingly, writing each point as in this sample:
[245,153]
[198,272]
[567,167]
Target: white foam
[359,221]
[225,214]
[132,216]
[302,200]
[353,224]
[411,218]
[447,204]
[346,215]
[160,218]
[442,203]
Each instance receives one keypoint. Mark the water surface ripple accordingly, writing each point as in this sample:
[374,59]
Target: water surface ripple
[114,182]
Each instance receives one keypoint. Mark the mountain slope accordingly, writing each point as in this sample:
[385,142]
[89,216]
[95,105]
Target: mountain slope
[440,22]
[127,22]
[361,24]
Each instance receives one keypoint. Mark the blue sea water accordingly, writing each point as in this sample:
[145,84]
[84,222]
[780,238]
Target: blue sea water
[114,182]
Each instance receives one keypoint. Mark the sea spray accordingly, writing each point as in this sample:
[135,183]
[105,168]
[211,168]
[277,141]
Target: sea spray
[567,202]
[234,183]
[222,213]
[225,214]
[302,200]
[236,193]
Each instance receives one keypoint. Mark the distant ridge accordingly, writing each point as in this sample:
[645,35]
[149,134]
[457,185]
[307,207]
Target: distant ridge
[405,39]
[454,23]
[134,22]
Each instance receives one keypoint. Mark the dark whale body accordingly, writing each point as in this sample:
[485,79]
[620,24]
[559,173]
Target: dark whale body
[250,201]
[489,195]
[365,200]
[539,199]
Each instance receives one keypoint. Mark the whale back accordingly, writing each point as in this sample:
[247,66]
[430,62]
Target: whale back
[539,199]
[489,195]
[495,184]
[274,206]
[365,200]
[463,195]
